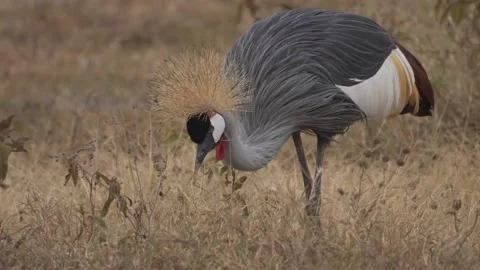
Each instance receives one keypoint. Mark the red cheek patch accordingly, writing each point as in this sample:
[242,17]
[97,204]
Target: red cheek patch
[220,149]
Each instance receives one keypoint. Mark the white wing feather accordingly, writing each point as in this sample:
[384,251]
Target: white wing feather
[381,95]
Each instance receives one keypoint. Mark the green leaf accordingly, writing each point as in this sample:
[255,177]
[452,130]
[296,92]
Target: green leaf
[17,145]
[437,7]
[67,177]
[223,170]
[18,126]
[171,137]
[100,221]
[3,171]
[105,179]
[242,179]
[106,207]
[4,156]
[457,12]
[75,177]
[237,186]
[72,173]
[5,123]
[244,205]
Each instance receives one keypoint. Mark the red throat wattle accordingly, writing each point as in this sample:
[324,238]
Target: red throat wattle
[221,148]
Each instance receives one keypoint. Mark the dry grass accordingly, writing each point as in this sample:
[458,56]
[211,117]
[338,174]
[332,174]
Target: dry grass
[74,75]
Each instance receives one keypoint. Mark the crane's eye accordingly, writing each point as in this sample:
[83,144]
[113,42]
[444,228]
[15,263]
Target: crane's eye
[210,129]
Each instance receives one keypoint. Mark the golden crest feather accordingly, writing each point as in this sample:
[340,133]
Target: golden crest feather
[195,82]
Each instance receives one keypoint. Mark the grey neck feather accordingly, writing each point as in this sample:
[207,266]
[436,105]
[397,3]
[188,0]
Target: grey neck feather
[250,152]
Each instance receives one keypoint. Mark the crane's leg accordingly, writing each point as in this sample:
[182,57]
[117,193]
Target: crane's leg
[307,180]
[314,202]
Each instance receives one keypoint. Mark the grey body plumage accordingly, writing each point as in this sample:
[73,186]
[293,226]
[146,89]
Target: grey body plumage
[295,66]
[293,61]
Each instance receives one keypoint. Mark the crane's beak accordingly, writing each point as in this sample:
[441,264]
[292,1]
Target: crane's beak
[203,149]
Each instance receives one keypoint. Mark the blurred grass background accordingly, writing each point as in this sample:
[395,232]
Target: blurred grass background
[75,74]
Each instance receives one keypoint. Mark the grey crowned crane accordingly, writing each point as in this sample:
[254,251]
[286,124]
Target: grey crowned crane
[301,70]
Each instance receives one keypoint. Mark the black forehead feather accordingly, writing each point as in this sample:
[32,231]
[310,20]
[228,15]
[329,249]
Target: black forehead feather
[197,127]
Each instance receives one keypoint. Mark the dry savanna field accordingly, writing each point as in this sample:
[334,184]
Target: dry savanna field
[103,185]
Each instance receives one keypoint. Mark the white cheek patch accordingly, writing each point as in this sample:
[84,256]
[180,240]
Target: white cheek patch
[218,124]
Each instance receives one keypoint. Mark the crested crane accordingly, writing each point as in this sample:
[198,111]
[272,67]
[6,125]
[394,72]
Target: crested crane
[301,70]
